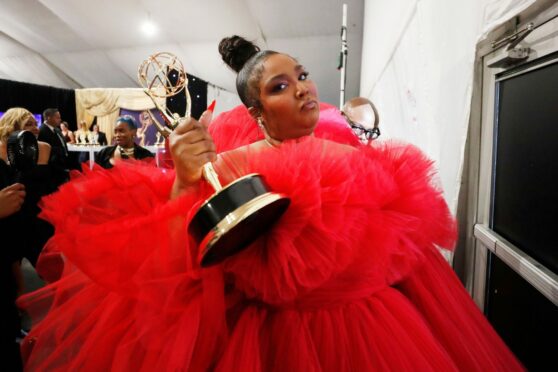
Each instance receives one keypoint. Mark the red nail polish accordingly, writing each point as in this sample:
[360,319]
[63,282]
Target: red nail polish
[211,107]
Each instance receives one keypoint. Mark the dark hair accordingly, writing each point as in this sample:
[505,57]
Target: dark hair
[129,120]
[49,112]
[246,59]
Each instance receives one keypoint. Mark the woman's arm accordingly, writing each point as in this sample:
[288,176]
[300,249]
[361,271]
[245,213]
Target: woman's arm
[44,152]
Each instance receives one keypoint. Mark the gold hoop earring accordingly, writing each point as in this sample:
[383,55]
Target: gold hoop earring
[260,123]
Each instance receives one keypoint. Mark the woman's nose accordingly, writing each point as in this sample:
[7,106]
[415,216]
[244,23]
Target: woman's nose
[301,90]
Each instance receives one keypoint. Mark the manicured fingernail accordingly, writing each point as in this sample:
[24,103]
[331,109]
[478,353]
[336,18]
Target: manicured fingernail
[211,107]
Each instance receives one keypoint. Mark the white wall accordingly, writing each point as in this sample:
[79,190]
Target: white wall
[417,67]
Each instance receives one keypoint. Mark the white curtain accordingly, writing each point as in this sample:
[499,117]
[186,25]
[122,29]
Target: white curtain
[105,104]
[417,67]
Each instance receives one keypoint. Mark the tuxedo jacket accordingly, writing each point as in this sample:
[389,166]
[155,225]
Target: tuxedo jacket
[102,140]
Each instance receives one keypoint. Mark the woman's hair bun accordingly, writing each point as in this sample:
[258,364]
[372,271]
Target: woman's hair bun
[236,50]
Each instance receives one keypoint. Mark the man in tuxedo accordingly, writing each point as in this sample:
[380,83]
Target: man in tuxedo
[50,133]
[98,137]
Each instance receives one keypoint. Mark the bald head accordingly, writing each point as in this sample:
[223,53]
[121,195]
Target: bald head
[361,112]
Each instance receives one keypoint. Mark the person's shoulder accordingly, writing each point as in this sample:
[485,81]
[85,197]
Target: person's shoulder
[106,150]
[44,133]
[44,145]
[43,129]
[143,151]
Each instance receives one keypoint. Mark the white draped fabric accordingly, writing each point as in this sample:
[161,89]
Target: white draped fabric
[105,104]
[417,67]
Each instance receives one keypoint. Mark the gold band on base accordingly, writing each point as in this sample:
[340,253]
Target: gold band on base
[235,217]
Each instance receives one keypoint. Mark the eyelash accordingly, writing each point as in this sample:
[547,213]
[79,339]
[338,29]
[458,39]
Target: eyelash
[281,86]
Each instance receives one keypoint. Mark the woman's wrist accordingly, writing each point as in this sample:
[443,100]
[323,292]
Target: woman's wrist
[180,186]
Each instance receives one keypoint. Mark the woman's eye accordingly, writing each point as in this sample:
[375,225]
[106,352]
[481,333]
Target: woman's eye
[303,76]
[279,87]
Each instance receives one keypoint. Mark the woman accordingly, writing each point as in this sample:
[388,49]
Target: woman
[22,234]
[31,126]
[66,133]
[83,134]
[38,182]
[125,147]
[345,280]
[147,133]
[98,137]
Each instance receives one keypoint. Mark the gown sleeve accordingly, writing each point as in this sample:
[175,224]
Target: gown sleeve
[127,259]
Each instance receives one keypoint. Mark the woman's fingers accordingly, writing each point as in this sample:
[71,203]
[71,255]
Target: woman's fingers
[11,199]
[205,118]
[191,147]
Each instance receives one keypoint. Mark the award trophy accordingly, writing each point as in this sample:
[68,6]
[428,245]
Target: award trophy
[235,215]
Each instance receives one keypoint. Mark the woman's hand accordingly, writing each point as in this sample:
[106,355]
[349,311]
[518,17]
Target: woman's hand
[11,199]
[44,153]
[191,147]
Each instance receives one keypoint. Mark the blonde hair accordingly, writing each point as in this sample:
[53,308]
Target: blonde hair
[13,120]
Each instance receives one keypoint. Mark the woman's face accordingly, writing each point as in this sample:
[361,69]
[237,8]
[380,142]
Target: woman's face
[31,125]
[63,127]
[289,100]
[145,119]
[124,136]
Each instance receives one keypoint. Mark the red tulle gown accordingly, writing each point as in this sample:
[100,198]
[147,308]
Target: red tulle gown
[350,278]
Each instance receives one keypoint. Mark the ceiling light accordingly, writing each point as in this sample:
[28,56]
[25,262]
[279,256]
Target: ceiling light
[149,28]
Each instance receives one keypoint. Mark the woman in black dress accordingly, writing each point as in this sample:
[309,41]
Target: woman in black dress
[22,233]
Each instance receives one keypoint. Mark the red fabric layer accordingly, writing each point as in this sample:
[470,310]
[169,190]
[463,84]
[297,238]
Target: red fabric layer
[348,279]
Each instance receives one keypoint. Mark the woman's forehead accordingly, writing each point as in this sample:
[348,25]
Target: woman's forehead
[277,64]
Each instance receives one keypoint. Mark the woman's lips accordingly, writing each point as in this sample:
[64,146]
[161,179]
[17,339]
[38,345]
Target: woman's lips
[310,105]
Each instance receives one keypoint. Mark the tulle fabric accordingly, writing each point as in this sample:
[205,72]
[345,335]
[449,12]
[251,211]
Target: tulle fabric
[349,278]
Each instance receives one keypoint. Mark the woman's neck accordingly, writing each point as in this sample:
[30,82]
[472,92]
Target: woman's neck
[272,142]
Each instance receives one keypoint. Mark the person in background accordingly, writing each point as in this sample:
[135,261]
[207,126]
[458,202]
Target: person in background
[67,133]
[31,126]
[125,146]
[50,133]
[11,199]
[83,134]
[22,233]
[362,116]
[98,137]
[38,182]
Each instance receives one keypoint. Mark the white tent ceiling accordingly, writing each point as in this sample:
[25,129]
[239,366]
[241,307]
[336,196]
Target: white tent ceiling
[99,43]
